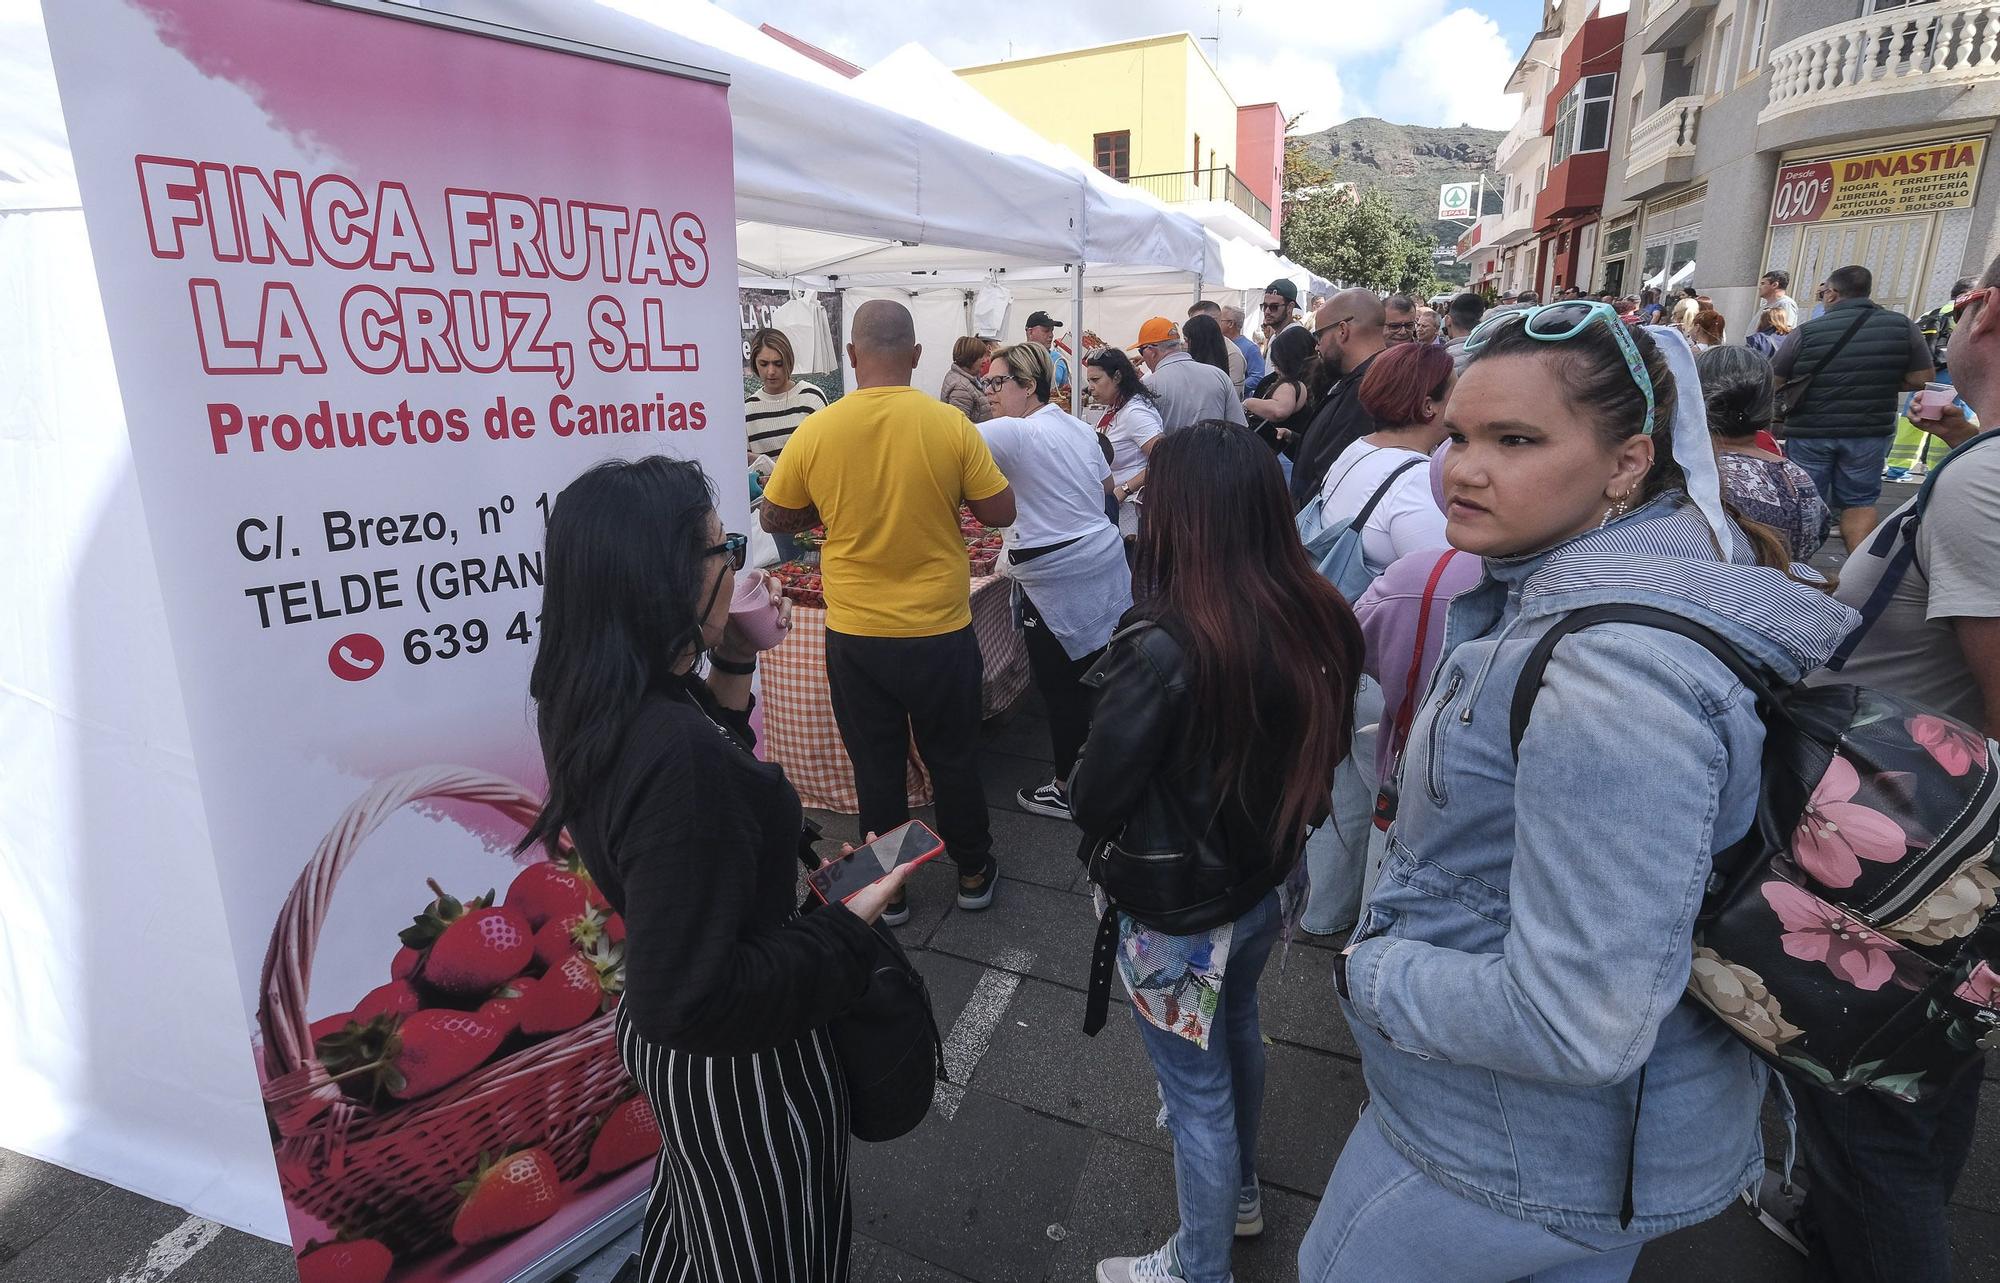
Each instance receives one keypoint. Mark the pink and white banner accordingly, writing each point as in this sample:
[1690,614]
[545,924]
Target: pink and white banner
[377,289]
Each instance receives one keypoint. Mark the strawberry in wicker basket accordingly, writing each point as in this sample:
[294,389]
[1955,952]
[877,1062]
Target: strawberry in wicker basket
[492,1051]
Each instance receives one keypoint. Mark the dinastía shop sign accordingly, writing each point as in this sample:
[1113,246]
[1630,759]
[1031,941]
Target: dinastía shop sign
[377,288]
[1906,180]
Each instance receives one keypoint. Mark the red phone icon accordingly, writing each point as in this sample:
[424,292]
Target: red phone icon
[355,657]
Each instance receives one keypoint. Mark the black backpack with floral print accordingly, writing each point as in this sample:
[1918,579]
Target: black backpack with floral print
[1852,936]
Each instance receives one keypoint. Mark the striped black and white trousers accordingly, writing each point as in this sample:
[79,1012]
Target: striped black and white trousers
[751,1184]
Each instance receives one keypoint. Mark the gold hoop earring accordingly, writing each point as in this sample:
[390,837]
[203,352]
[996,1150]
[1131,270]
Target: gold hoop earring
[1619,507]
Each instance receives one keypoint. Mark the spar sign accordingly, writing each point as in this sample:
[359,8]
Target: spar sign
[1455,200]
[1907,180]
[377,288]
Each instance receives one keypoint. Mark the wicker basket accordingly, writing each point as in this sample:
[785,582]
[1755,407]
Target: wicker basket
[391,1172]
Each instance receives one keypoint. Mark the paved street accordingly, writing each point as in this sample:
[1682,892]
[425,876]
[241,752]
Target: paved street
[1042,1158]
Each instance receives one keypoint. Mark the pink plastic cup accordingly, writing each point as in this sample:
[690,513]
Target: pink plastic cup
[755,614]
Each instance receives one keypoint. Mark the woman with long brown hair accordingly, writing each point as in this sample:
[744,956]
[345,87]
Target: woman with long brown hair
[1223,707]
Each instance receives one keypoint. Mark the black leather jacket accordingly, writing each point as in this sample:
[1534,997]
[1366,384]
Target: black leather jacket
[1157,838]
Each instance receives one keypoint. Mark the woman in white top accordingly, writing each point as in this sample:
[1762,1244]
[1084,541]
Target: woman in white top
[1064,555]
[1132,427]
[1405,391]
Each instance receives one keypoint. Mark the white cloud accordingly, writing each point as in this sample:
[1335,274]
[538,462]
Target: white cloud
[1456,69]
[1407,61]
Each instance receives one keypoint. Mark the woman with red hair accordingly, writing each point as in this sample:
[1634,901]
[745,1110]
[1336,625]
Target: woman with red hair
[1404,391]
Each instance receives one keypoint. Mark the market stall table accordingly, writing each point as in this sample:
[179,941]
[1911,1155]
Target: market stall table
[797,706]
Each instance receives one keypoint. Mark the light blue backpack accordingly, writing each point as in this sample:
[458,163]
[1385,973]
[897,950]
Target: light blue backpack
[1335,548]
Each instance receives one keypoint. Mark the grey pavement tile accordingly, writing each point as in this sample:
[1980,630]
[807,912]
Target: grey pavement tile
[1034,848]
[1297,1004]
[1004,774]
[239,1258]
[1125,1206]
[1057,927]
[1311,1102]
[35,1197]
[110,1240]
[1979,1185]
[1975,1244]
[875,1262]
[1040,1058]
[1726,1247]
[1023,732]
[950,981]
[974,1193]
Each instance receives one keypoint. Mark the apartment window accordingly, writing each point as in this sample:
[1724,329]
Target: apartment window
[1883,6]
[1583,119]
[1753,36]
[1196,165]
[1719,84]
[1113,153]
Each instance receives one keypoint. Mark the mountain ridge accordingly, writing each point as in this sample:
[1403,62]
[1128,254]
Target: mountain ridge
[1408,163]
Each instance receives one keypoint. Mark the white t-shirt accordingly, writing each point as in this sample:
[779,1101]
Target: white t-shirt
[1057,470]
[1130,427]
[1406,521]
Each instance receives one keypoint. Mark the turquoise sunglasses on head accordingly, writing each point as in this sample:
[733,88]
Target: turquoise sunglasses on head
[1557,322]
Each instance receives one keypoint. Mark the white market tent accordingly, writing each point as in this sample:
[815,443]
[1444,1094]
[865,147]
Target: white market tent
[129,1060]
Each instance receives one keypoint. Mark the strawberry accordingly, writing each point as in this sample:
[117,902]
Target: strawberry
[507,1195]
[397,998]
[360,1260]
[330,1025]
[471,948]
[410,1056]
[552,890]
[504,1007]
[404,964]
[571,933]
[571,993]
[630,1134]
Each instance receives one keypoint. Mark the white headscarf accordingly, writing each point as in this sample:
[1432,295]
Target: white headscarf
[1691,447]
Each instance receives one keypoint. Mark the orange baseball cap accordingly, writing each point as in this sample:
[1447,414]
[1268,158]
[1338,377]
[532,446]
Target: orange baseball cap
[1158,329]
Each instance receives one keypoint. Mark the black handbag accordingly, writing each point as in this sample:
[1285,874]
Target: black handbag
[888,1044]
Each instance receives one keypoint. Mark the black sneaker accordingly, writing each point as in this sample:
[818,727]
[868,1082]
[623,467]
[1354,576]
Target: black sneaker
[975,894]
[1046,800]
[898,910]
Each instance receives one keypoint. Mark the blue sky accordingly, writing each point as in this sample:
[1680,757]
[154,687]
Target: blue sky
[1422,62]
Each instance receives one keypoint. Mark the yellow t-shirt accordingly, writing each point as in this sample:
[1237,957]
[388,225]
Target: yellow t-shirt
[887,468]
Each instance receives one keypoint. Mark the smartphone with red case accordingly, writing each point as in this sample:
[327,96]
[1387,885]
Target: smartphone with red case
[838,879]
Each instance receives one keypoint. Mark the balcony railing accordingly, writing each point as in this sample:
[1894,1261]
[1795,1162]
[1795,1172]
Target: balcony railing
[1667,134]
[1928,46]
[1529,126]
[1218,183]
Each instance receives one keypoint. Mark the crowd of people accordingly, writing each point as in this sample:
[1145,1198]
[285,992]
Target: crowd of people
[1277,598]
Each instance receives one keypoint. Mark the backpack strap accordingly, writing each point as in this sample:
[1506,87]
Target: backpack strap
[1896,543]
[1767,832]
[1530,683]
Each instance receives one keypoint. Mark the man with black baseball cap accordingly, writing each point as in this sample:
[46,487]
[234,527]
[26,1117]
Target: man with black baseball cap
[1281,308]
[1042,330]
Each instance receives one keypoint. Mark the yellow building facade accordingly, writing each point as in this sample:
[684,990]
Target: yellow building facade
[1151,110]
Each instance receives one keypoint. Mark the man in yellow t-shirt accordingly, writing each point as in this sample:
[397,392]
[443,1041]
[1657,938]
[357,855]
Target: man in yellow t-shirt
[885,468]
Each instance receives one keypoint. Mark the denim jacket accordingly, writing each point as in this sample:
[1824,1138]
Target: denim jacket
[1525,951]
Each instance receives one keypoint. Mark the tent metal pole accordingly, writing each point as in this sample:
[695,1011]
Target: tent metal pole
[1076,347]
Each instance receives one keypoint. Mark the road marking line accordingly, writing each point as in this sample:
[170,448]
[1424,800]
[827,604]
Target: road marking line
[172,1250]
[973,1030]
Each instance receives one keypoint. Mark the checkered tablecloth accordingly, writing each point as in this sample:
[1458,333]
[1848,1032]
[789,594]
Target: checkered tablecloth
[799,731]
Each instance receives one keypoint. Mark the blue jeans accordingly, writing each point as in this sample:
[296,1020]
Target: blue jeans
[1215,1099]
[1847,471]
[1384,1221]
[1878,1175]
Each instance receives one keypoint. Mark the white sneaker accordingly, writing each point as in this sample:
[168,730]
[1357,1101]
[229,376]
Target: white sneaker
[1250,1213]
[1162,1266]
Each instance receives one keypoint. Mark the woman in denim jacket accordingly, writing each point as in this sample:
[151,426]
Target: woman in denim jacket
[1515,983]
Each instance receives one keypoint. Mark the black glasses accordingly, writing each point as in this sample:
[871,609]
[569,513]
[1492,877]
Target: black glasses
[736,546]
[994,382]
[1395,327]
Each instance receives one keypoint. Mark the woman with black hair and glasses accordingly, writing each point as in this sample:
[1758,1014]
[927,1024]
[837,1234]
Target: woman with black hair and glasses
[728,988]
